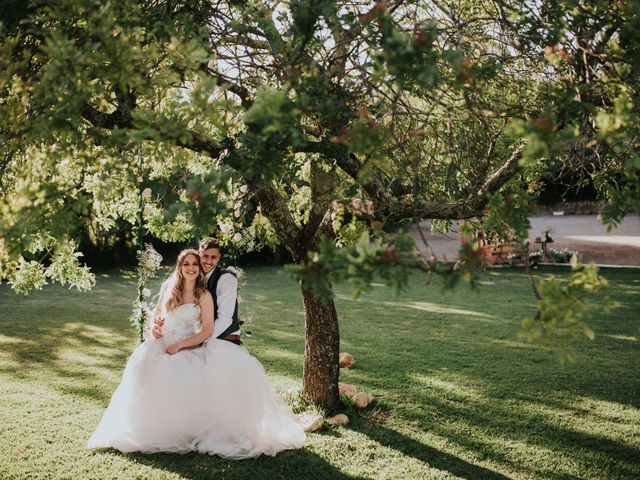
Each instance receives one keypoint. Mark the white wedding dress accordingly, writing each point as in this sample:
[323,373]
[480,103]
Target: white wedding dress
[214,399]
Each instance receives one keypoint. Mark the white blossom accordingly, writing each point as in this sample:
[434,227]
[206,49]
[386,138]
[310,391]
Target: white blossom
[226,228]
[237,237]
[146,193]
[148,210]
[149,261]
[238,272]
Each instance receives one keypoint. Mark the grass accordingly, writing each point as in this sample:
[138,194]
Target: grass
[458,395]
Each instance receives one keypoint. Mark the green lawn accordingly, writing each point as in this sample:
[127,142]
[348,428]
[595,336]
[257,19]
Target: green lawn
[458,395]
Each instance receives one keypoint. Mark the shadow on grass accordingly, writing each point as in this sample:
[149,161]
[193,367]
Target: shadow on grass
[291,464]
[433,457]
[465,341]
[510,422]
[517,385]
[69,357]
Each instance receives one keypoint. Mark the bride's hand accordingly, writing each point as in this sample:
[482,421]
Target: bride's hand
[156,331]
[173,348]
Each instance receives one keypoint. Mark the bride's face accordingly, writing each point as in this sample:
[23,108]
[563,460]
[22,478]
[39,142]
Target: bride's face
[190,267]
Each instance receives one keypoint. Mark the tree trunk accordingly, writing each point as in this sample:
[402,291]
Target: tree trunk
[322,338]
[321,370]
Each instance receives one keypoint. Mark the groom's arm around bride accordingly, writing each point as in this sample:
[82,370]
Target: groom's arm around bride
[223,286]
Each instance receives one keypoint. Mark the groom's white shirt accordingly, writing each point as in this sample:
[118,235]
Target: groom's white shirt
[226,293]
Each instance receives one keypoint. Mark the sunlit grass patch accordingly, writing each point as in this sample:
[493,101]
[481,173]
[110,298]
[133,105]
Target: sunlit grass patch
[457,393]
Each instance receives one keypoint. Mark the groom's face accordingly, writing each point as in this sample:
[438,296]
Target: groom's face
[210,258]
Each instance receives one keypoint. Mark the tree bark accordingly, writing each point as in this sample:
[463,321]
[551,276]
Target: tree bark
[321,370]
[322,336]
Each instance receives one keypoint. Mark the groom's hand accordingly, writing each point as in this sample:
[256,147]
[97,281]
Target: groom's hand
[157,328]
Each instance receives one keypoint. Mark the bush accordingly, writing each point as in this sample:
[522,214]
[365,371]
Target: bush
[563,255]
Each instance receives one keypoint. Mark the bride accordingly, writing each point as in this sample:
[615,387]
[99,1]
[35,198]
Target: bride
[213,399]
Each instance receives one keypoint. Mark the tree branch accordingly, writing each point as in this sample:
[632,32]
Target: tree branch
[322,189]
[245,96]
[500,176]
[275,208]
[193,141]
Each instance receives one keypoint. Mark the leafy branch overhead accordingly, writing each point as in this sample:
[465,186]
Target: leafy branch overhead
[563,306]
[424,109]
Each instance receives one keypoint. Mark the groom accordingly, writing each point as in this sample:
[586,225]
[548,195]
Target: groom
[223,285]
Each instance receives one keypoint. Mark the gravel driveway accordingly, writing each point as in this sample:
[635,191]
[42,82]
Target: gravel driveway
[584,233]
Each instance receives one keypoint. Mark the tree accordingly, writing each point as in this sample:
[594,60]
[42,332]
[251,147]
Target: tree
[302,121]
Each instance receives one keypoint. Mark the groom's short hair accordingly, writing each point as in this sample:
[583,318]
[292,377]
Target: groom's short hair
[207,243]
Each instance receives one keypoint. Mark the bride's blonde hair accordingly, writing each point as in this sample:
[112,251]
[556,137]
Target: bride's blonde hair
[176,292]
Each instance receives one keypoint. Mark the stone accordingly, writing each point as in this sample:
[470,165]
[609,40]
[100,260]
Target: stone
[347,389]
[363,399]
[339,419]
[346,360]
[310,422]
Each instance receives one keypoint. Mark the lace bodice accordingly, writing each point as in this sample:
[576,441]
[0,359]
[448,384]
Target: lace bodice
[181,323]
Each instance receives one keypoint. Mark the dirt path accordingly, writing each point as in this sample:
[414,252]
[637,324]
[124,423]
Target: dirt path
[602,253]
[584,233]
